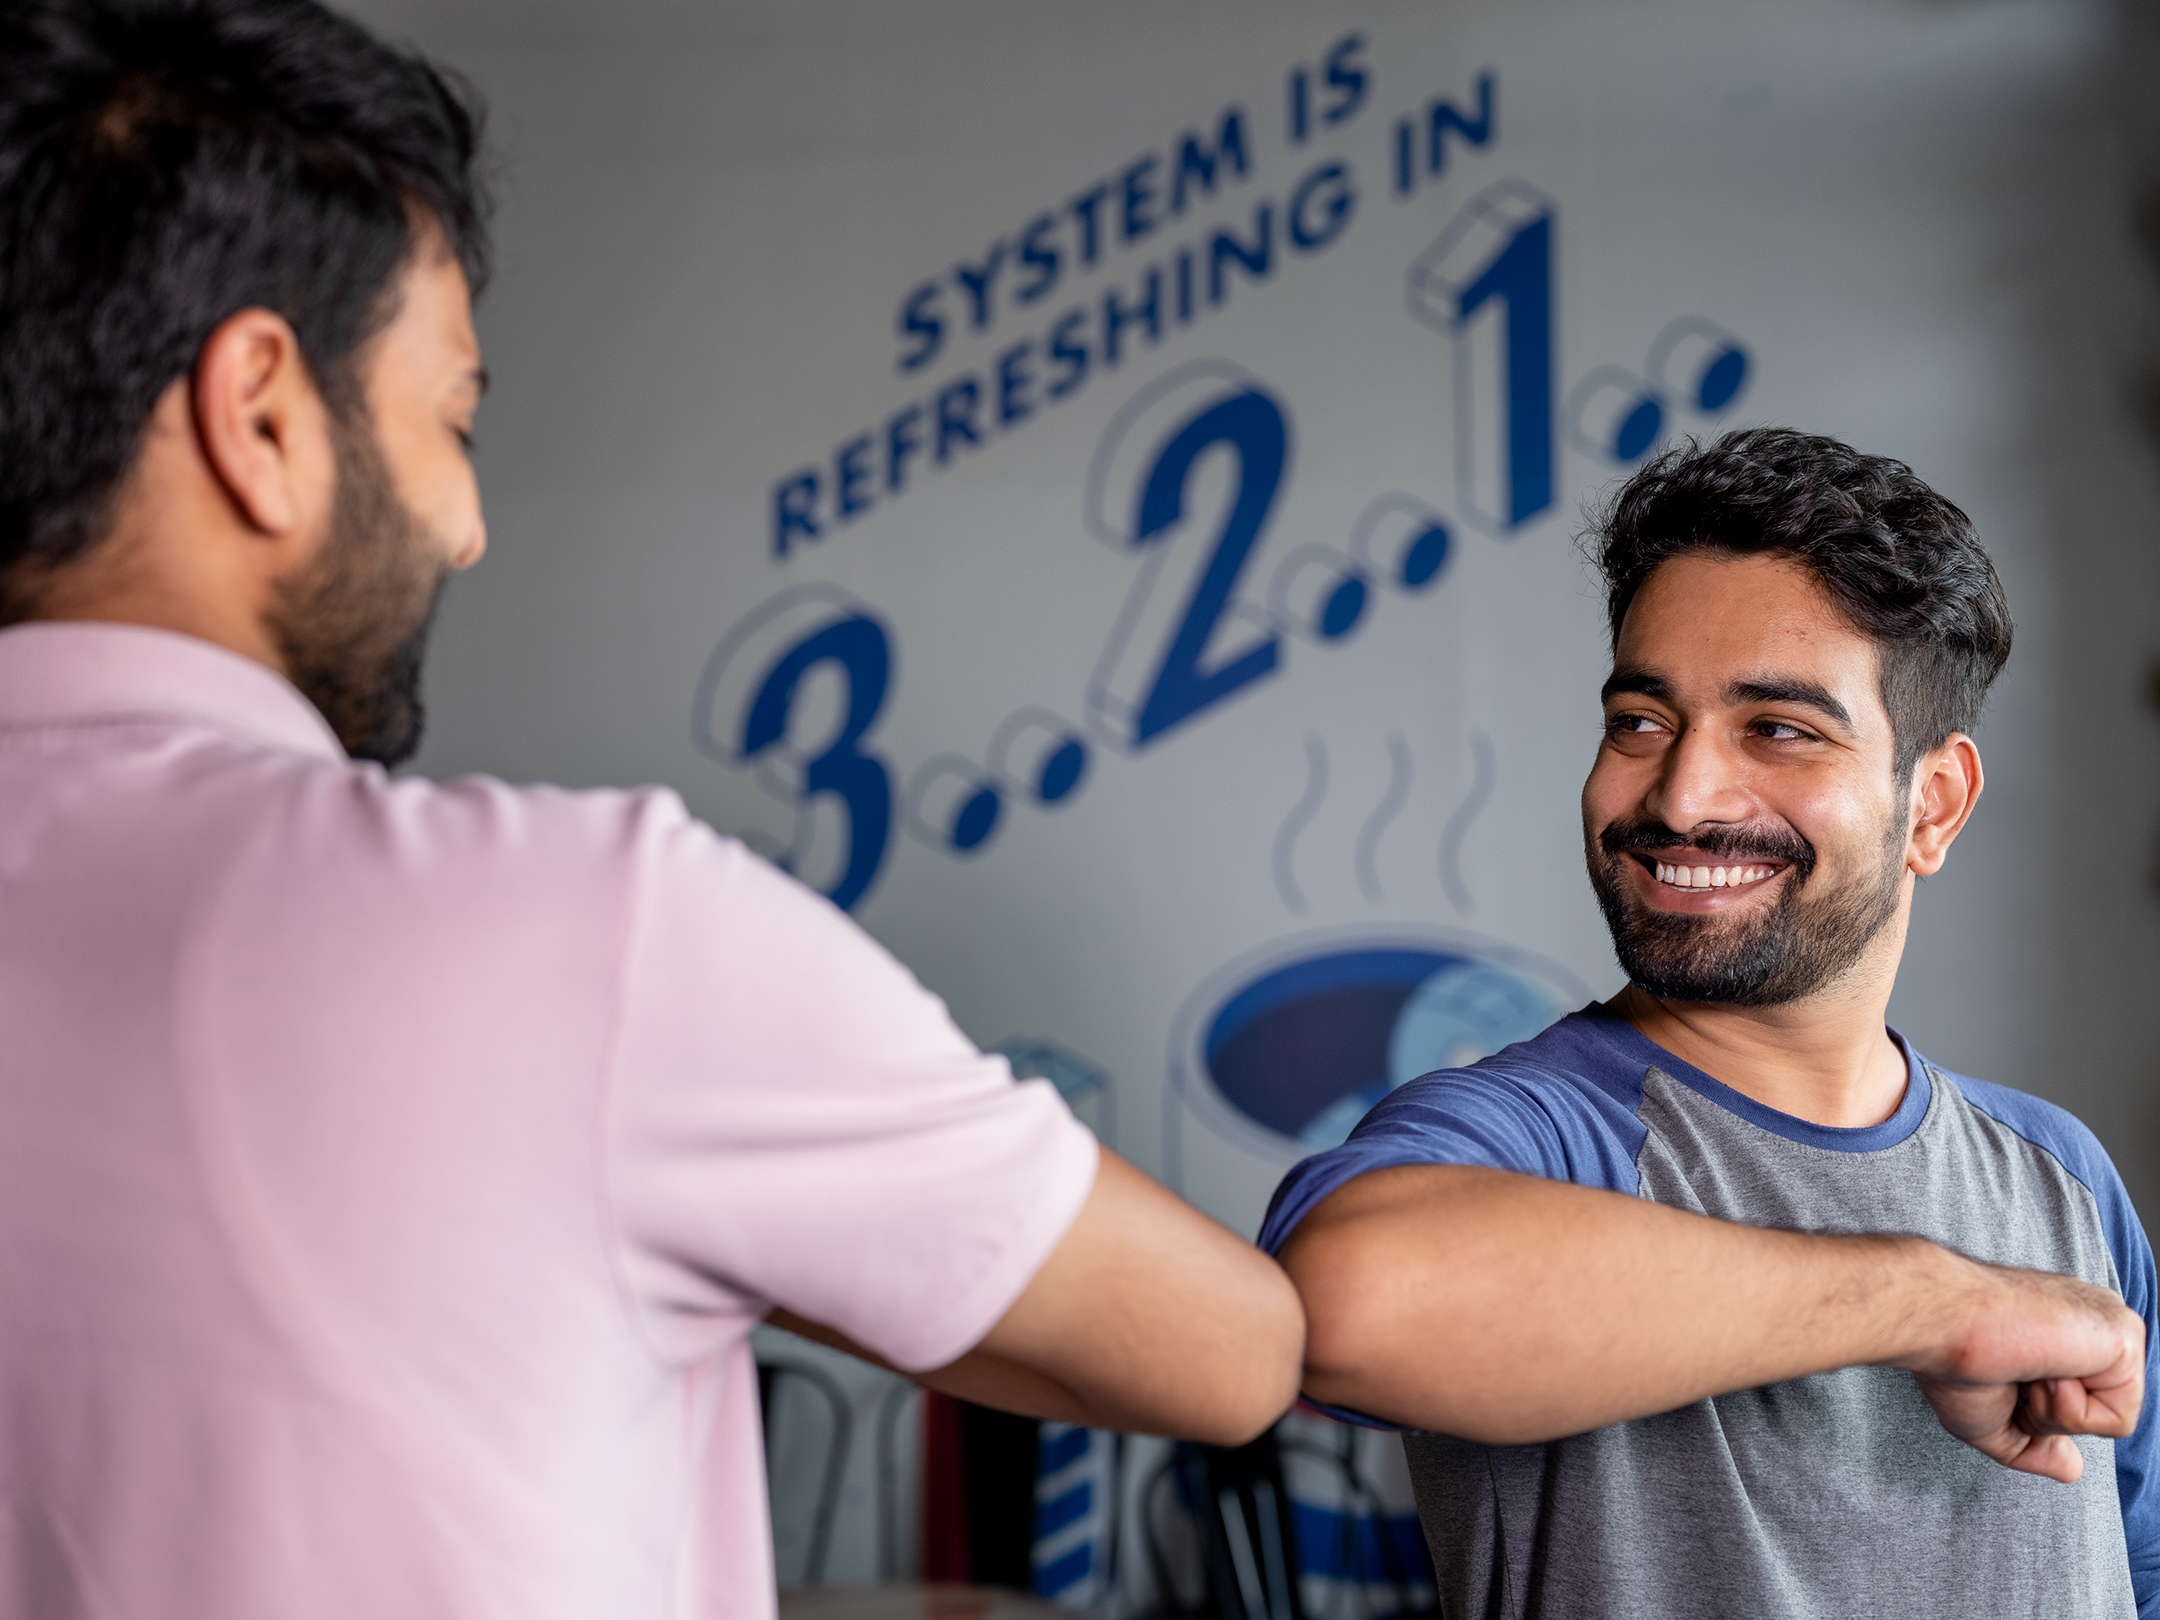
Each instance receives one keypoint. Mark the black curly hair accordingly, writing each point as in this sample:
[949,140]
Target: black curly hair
[165,164]
[1900,561]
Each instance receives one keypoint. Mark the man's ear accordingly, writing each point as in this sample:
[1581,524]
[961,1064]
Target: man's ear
[1946,786]
[263,425]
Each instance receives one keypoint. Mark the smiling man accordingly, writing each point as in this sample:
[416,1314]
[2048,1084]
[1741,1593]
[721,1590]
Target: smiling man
[1718,1298]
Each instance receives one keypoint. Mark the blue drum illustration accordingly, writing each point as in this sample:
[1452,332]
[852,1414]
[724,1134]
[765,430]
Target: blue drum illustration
[1300,1042]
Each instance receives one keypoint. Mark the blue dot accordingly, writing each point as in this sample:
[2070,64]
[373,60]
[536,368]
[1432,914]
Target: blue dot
[1062,771]
[977,818]
[1722,380]
[1345,606]
[1639,431]
[1421,564]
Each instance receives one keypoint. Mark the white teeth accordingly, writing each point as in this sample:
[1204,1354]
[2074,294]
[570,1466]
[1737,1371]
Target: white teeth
[1710,877]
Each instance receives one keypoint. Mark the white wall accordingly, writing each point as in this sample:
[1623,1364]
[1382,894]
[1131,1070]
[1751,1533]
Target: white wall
[1915,217]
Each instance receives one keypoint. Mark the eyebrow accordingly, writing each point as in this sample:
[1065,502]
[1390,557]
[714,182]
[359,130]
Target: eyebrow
[1647,683]
[1792,689]
[1770,688]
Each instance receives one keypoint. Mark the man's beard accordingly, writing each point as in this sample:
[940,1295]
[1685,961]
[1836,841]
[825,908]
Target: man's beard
[1766,957]
[353,624]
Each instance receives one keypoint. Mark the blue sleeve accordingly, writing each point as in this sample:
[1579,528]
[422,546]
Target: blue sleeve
[1537,1124]
[2137,1466]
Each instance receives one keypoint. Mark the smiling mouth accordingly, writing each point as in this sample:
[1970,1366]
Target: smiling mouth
[1730,876]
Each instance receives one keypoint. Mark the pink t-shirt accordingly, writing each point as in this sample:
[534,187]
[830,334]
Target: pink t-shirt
[391,1173]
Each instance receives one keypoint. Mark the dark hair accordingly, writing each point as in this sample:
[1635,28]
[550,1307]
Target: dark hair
[1900,561]
[165,164]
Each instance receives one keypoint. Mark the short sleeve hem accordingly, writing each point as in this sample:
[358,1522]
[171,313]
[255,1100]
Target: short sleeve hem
[1067,1181]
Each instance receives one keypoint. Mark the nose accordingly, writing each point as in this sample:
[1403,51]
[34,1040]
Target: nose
[474,548]
[1700,780]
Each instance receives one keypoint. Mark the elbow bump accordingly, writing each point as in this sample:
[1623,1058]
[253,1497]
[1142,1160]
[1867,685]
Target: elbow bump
[1270,1387]
[1344,1324]
[1253,1412]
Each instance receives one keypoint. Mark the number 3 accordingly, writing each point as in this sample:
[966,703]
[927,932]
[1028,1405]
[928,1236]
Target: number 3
[801,748]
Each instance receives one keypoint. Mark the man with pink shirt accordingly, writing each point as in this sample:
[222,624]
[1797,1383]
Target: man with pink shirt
[391,1173]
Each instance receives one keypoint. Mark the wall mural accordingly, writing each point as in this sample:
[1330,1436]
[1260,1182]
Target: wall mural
[1229,584]
[1222,602]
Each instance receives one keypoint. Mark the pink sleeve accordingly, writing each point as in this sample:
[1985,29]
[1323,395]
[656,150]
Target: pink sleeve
[796,1121]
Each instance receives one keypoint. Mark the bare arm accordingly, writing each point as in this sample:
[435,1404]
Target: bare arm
[1511,1309]
[1147,1317]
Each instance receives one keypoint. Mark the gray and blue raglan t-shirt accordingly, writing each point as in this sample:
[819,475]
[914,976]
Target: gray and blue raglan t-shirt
[1823,1498]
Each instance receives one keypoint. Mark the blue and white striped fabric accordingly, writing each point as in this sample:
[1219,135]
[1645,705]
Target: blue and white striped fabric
[1073,1502]
[1360,1550]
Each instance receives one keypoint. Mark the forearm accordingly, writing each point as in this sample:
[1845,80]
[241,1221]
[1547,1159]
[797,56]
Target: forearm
[980,1376]
[1117,1397]
[1148,1317]
[1511,1309]
[1157,1319]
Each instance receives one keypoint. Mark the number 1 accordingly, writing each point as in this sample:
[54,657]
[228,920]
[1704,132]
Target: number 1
[1498,250]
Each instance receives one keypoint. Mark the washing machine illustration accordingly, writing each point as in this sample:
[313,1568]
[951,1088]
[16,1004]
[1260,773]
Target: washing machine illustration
[1281,1052]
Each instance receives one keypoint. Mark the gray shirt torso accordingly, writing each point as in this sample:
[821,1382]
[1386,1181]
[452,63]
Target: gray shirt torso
[1824,1498]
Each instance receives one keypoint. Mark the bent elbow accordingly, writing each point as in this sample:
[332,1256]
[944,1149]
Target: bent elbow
[1264,1385]
[1348,1310]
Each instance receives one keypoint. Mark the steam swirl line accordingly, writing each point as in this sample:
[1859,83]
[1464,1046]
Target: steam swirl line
[1300,816]
[1458,825]
[1390,806]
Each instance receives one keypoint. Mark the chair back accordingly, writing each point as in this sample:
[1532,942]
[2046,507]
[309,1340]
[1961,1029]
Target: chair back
[775,1377]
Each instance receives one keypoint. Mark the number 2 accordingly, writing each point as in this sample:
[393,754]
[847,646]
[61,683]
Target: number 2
[1252,425]
[1141,695]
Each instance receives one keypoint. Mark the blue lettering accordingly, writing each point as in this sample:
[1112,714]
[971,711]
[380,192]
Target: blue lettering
[900,443]
[1300,125]
[1014,380]
[1116,316]
[794,506]
[1346,77]
[1197,163]
[927,330]
[1404,176]
[1252,425]
[1139,192]
[1083,209]
[977,280]
[1331,186]
[1184,286]
[1069,354]
[1520,276]
[861,649]
[956,403]
[851,477]
[1222,246]
[1040,256]
[1477,131]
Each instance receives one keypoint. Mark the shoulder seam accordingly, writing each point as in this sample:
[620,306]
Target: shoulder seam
[1937,1076]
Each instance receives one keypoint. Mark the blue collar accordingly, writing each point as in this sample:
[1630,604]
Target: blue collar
[1643,1053]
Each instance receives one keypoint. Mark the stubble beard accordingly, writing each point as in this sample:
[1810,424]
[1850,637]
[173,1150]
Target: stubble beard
[1767,956]
[353,624]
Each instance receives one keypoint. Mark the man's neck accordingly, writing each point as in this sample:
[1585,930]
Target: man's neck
[1828,1060]
[179,554]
